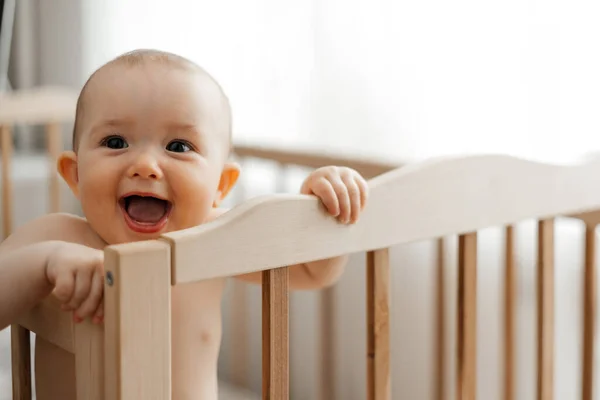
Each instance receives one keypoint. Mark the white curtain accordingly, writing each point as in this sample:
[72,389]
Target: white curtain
[402,79]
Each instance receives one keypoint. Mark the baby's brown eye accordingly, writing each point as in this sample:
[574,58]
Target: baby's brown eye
[177,146]
[115,142]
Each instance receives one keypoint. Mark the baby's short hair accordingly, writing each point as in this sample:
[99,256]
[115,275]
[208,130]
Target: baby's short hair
[139,57]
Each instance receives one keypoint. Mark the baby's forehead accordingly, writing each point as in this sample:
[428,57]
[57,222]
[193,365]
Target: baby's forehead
[105,91]
[117,77]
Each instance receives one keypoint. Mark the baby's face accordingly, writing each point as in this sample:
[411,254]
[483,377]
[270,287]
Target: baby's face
[152,152]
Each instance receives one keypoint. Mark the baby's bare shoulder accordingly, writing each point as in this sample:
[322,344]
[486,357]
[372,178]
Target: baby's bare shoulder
[56,226]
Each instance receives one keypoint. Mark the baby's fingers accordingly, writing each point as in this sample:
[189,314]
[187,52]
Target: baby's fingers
[94,298]
[343,198]
[83,283]
[324,190]
[63,288]
[354,196]
[364,191]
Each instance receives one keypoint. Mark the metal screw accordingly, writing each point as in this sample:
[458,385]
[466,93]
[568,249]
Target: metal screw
[109,278]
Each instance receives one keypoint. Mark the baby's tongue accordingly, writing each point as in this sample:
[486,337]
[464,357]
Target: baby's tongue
[146,209]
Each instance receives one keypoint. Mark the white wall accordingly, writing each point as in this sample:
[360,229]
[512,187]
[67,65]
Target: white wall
[409,79]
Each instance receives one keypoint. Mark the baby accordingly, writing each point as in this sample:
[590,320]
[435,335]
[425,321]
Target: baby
[150,155]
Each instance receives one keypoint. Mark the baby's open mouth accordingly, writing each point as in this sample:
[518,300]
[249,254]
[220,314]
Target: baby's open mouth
[145,213]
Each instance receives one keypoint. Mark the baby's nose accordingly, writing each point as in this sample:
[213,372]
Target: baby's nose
[145,167]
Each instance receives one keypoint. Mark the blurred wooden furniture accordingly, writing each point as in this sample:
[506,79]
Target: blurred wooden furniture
[48,106]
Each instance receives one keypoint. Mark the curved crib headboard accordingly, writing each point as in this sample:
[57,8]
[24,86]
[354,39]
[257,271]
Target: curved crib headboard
[428,200]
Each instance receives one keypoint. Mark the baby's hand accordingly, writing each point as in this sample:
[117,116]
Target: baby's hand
[342,190]
[77,274]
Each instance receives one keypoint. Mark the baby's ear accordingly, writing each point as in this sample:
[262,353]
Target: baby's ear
[67,168]
[229,177]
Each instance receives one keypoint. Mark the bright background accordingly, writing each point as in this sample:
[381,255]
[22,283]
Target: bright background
[409,79]
[400,80]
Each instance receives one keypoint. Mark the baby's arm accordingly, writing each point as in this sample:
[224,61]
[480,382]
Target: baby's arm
[32,266]
[344,194]
[23,281]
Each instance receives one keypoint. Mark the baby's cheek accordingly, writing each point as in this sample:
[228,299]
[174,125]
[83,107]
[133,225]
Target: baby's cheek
[193,205]
[94,179]
[195,183]
[93,193]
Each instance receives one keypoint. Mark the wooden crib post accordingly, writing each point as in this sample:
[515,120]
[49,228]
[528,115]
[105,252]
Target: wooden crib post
[378,325]
[137,325]
[19,336]
[89,360]
[510,287]
[589,313]
[20,348]
[466,371]
[440,322]
[275,334]
[545,314]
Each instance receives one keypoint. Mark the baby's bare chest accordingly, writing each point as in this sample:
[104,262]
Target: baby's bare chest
[196,313]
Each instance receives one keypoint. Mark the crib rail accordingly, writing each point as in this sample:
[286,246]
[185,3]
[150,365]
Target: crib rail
[424,201]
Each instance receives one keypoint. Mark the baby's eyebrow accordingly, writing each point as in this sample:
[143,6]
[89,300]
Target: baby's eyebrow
[113,122]
[188,129]
[182,126]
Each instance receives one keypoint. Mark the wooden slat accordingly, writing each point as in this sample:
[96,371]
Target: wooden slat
[137,299]
[509,314]
[440,323]
[327,344]
[466,385]
[589,313]
[7,192]
[545,325]
[21,362]
[89,360]
[20,338]
[275,334]
[378,325]
[54,141]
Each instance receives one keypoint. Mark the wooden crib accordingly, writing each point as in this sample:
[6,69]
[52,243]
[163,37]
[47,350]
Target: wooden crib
[285,161]
[430,200]
[126,360]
